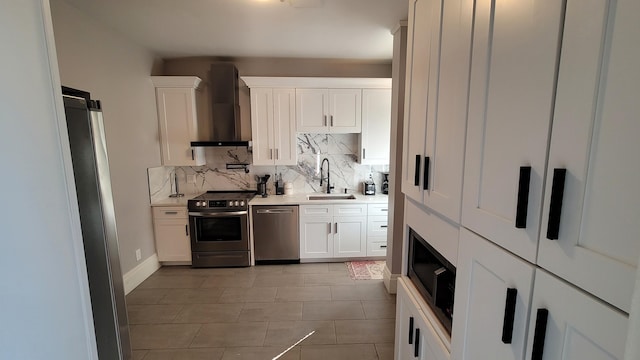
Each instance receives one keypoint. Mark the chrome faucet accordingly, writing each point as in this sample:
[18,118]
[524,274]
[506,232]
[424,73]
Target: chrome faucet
[329,187]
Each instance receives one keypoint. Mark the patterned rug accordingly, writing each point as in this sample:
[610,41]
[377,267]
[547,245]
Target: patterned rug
[365,270]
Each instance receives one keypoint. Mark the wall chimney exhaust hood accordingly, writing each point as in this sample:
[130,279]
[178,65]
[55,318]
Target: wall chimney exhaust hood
[225,107]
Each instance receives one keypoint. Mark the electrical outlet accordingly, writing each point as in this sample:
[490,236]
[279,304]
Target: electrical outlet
[138,255]
[191,179]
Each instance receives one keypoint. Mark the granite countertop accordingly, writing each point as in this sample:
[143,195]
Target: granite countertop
[301,199]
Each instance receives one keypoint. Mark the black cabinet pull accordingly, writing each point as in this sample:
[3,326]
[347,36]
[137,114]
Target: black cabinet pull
[193,157]
[410,329]
[416,346]
[539,334]
[416,176]
[555,205]
[186,230]
[523,197]
[425,184]
[509,315]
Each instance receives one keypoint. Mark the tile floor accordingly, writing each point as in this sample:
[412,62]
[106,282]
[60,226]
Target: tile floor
[256,313]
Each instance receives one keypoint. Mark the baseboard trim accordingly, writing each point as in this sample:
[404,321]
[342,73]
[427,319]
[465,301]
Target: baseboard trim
[140,273]
[390,280]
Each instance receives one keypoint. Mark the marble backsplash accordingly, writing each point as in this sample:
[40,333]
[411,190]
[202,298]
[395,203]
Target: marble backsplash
[340,149]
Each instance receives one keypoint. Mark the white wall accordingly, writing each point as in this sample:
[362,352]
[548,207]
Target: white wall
[44,298]
[116,71]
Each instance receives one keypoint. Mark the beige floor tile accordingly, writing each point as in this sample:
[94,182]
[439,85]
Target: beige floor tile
[253,294]
[279,279]
[328,279]
[262,269]
[338,267]
[260,353]
[229,281]
[185,354]
[145,296]
[303,293]
[332,310]
[172,282]
[162,336]
[365,331]
[208,313]
[271,311]
[152,314]
[192,296]
[385,351]
[138,354]
[188,270]
[231,334]
[379,309]
[339,352]
[344,292]
[287,333]
[373,291]
[321,268]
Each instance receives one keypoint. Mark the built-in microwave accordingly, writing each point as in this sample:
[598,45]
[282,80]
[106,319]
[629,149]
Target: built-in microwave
[433,276]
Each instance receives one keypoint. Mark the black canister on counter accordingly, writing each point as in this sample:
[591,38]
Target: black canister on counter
[385,183]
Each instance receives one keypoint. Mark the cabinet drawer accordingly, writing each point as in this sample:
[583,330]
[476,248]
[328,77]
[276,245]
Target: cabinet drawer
[377,226]
[316,210]
[377,246]
[165,212]
[349,210]
[378,209]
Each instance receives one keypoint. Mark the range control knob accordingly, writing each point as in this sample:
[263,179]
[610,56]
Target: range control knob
[237,203]
[198,203]
[241,203]
[230,203]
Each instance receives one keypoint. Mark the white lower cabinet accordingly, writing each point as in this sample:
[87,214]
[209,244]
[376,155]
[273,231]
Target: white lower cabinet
[491,308]
[171,228]
[328,231]
[495,307]
[416,338]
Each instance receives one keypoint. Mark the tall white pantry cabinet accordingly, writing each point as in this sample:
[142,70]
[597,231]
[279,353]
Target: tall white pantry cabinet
[549,232]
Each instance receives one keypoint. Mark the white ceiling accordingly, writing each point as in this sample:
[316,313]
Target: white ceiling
[341,29]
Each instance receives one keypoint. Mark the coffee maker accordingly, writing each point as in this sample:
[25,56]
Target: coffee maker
[262,184]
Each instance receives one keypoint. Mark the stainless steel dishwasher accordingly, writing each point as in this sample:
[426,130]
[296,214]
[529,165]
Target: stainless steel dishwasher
[275,234]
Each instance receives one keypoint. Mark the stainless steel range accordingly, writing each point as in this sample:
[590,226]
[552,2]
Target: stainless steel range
[219,224]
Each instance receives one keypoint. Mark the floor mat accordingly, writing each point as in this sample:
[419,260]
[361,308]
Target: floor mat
[365,270]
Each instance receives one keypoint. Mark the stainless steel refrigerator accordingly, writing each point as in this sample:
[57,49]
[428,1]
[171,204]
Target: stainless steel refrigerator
[93,186]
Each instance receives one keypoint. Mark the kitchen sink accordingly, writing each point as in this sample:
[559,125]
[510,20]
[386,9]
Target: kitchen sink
[330,197]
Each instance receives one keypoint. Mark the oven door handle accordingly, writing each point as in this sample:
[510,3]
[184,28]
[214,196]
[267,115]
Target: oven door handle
[218,214]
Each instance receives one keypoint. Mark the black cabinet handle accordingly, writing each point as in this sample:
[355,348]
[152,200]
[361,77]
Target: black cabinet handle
[425,184]
[416,176]
[193,157]
[383,246]
[384,226]
[509,315]
[410,329]
[186,230]
[539,334]
[416,346]
[555,205]
[523,197]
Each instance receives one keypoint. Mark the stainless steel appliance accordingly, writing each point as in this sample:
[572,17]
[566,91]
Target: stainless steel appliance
[262,184]
[219,228]
[275,234]
[433,276]
[93,187]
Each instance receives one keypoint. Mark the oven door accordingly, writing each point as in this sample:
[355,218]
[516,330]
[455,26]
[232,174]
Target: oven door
[219,231]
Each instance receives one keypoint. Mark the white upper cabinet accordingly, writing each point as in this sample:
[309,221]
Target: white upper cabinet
[376,126]
[178,120]
[436,116]
[512,85]
[590,234]
[567,324]
[273,126]
[329,110]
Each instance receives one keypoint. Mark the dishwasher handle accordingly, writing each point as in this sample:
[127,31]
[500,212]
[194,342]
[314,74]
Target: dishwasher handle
[274,211]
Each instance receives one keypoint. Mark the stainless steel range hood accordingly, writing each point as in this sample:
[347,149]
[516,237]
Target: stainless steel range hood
[225,107]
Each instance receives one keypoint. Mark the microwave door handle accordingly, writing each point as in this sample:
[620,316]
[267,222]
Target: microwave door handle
[436,275]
